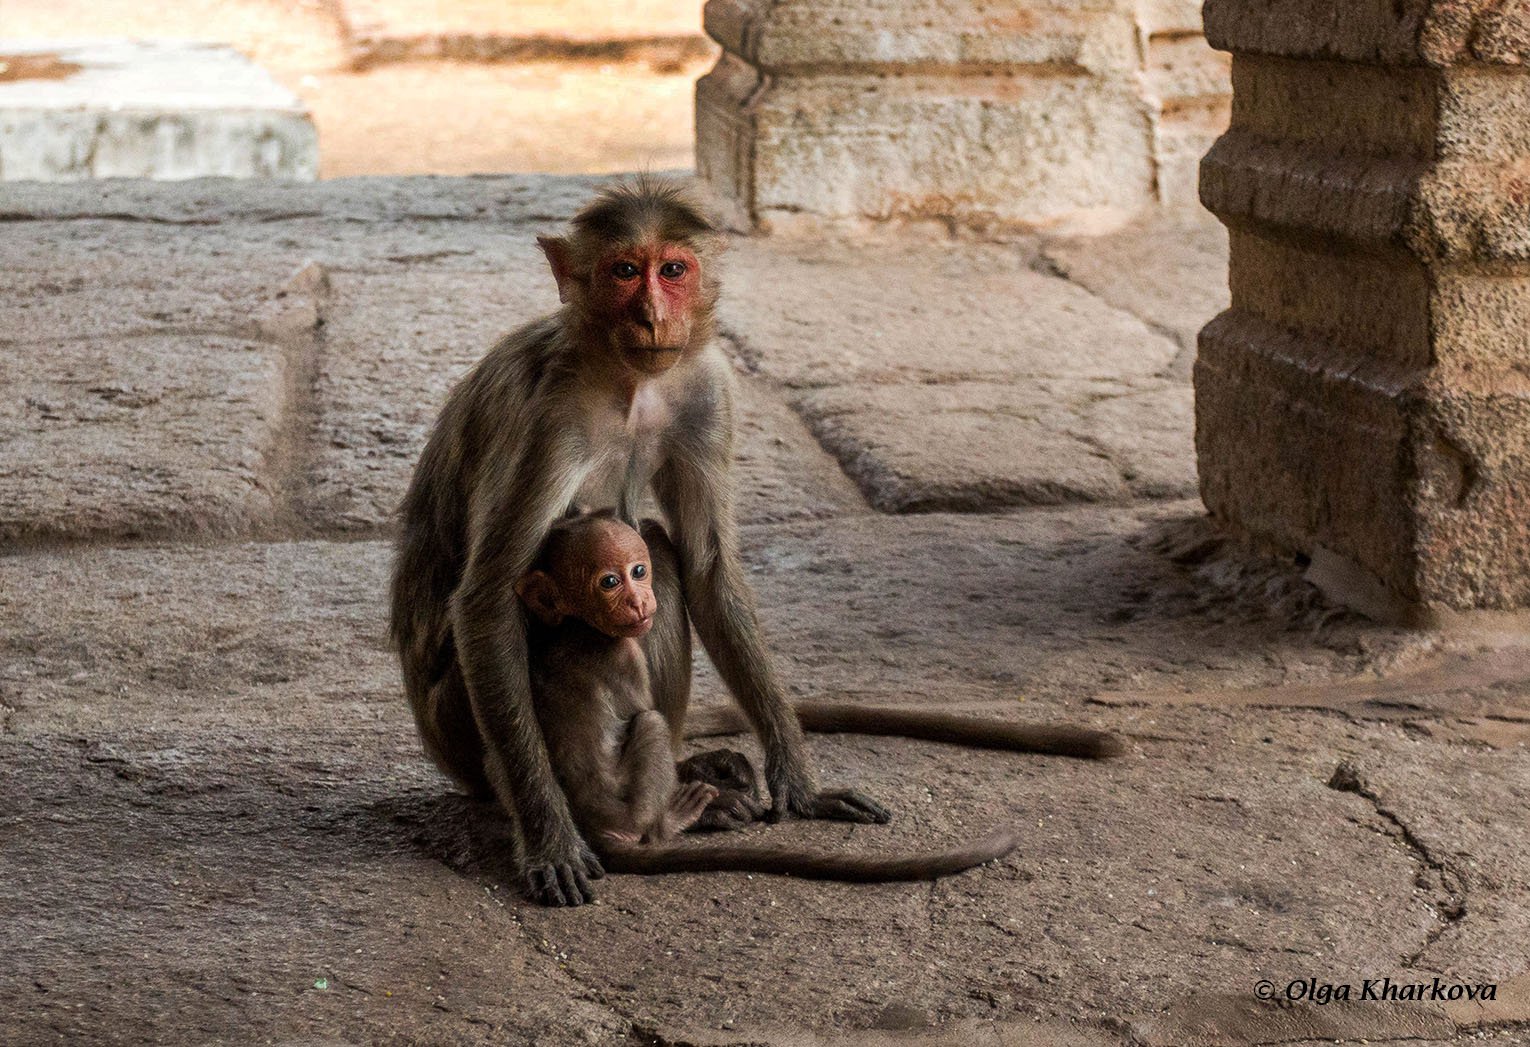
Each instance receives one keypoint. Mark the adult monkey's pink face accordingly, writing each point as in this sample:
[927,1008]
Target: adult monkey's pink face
[647,294]
[643,299]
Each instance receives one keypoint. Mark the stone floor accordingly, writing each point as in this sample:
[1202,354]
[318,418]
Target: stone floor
[968,481]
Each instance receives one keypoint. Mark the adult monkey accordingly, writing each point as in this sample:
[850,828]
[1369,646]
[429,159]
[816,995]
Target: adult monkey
[621,389]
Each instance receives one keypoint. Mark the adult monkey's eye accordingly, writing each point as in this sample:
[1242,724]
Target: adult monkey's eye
[610,581]
[624,270]
[640,571]
[672,270]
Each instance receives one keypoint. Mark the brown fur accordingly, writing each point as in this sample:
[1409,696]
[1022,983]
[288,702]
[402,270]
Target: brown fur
[616,394]
[578,406]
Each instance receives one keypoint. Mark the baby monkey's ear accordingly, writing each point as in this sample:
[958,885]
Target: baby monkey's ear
[540,593]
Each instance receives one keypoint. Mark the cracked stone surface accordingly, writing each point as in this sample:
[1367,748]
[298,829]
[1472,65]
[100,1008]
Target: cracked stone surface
[955,376]
[1169,269]
[216,824]
[810,315]
[980,445]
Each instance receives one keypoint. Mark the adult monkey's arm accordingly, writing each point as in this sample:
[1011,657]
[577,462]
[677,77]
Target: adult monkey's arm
[509,523]
[695,490]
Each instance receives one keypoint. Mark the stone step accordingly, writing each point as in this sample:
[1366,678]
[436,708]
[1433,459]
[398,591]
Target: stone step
[146,109]
[665,33]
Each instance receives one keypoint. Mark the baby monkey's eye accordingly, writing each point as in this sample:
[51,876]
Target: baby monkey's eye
[672,270]
[624,270]
[640,571]
[610,581]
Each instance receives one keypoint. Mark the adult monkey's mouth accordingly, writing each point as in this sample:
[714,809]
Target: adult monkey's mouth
[653,357]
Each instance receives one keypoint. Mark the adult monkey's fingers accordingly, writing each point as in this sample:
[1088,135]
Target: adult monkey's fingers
[575,887]
[847,805]
[542,885]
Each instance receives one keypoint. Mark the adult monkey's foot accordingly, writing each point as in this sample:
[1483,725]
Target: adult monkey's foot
[559,878]
[843,805]
[795,795]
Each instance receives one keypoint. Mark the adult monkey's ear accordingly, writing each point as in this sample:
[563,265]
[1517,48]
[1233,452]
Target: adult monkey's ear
[540,594]
[560,258]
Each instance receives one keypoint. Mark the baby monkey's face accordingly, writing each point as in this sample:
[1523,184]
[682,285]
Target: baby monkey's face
[612,576]
[598,571]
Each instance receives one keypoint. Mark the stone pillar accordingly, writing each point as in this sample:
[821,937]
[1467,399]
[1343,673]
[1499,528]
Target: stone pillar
[980,113]
[1366,400]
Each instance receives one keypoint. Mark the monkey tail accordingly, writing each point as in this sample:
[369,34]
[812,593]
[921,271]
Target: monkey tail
[653,859]
[926,725]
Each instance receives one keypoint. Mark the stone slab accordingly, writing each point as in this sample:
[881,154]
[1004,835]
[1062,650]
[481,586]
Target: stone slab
[138,437]
[176,887]
[105,278]
[422,277]
[72,110]
[394,345]
[1168,271]
[969,446]
[783,473]
[144,395]
[829,313]
[474,205]
[1006,607]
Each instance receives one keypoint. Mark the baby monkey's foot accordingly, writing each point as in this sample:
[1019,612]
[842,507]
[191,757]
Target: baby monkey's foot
[685,806]
[690,803]
[738,792]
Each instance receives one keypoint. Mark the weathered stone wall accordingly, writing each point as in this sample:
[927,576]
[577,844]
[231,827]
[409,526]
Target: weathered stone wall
[1190,86]
[1366,398]
[1053,113]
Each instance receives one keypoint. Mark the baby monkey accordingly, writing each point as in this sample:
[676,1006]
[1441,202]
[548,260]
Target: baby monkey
[610,748]
[613,752]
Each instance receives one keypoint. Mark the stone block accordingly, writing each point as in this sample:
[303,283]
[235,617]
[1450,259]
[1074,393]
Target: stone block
[394,344]
[1177,17]
[1169,271]
[1365,396]
[139,109]
[973,446]
[111,279]
[830,313]
[947,111]
[781,471]
[1047,114]
[1418,32]
[1190,83]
